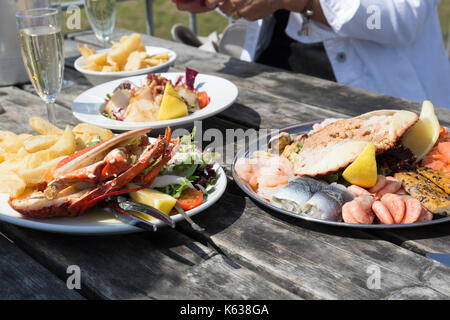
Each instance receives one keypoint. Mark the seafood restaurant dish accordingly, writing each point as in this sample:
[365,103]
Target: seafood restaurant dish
[383,167]
[170,175]
[156,100]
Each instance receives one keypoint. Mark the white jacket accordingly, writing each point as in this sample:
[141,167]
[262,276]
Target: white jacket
[405,57]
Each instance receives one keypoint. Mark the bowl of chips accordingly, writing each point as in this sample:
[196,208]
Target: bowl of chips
[128,57]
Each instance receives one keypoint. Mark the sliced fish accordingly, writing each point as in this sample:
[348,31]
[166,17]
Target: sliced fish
[325,205]
[293,196]
[312,197]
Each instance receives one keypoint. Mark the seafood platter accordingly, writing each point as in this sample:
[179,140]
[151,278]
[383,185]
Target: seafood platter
[87,180]
[382,169]
[155,100]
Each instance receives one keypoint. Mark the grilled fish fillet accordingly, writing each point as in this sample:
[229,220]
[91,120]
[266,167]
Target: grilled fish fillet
[430,195]
[442,179]
[338,144]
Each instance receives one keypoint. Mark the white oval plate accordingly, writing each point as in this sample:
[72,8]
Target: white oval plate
[97,221]
[98,77]
[88,106]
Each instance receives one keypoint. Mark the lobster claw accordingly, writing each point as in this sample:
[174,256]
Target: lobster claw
[84,179]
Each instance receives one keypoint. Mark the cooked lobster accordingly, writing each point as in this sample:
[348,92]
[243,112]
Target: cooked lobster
[90,175]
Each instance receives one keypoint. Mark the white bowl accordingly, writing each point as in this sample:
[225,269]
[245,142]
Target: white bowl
[98,77]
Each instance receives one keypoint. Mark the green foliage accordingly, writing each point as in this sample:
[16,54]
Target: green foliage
[444,17]
[131,15]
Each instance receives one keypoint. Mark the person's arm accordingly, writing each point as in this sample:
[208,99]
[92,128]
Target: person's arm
[192,6]
[256,9]
[300,6]
[400,21]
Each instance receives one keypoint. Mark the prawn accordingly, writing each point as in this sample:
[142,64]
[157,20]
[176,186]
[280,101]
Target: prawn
[381,182]
[396,206]
[265,171]
[358,211]
[382,212]
[392,186]
[358,191]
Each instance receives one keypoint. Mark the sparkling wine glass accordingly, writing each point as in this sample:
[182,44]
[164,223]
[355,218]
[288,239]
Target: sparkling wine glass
[41,44]
[102,18]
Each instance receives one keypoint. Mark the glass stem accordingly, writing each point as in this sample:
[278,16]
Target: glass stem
[51,113]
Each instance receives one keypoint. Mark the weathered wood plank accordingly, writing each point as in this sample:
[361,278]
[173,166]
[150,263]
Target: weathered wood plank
[20,105]
[23,278]
[163,265]
[432,239]
[318,261]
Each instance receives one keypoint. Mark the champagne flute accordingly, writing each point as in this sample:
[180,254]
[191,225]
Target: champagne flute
[102,17]
[42,51]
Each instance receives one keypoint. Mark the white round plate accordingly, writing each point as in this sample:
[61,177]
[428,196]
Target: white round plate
[97,221]
[88,106]
[98,77]
[261,144]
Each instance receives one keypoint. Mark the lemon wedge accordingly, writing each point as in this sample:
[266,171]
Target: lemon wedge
[363,171]
[422,136]
[172,106]
[153,198]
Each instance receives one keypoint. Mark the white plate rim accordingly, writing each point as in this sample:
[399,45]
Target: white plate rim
[100,120]
[114,229]
[79,62]
[300,128]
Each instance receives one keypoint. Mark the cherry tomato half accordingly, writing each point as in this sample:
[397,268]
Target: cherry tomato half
[190,198]
[203,99]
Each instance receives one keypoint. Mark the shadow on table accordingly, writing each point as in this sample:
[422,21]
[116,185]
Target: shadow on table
[244,69]
[216,218]
[317,227]
[241,114]
[419,233]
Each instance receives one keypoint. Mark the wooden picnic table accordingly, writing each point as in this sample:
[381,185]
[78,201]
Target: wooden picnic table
[266,255]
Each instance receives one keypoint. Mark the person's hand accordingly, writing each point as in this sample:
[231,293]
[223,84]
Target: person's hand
[193,6]
[248,9]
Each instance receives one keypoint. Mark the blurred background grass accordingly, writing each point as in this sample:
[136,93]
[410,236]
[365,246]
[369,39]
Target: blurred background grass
[131,15]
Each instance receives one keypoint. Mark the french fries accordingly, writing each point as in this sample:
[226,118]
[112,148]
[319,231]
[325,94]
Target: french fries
[26,159]
[128,54]
[11,142]
[40,142]
[86,129]
[43,127]
[11,183]
[35,176]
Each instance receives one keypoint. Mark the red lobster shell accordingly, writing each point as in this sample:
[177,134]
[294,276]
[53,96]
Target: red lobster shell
[82,180]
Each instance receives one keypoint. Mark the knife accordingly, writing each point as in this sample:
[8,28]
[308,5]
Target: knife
[117,207]
[129,205]
[194,226]
[129,219]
